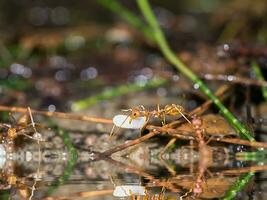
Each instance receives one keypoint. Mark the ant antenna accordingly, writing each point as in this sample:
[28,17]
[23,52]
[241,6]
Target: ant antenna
[127,110]
[32,122]
[182,114]
[37,136]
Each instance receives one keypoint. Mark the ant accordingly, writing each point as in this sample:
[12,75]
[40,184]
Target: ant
[141,111]
[18,185]
[169,110]
[13,131]
[197,187]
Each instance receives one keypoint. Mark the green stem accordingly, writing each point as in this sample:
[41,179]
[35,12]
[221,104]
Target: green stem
[116,92]
[238,186]
[126,14]
[71,161]
[252,156]
[260,77]
[167,52]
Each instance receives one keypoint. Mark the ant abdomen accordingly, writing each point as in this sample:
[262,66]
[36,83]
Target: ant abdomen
[173,109]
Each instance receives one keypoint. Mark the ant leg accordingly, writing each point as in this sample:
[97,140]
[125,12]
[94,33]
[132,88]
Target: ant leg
[112,132]
[143,128]
[36,135]
[143,107]
[12,118]
[185,194]
[164,118]
[190,146]
[2,125]
[170,143]
[147,118]
[168,167]
[38,125]
[181,113]
[209,140]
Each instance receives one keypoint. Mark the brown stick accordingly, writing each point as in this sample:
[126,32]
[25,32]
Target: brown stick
[141,172]
[176,134]
[129,144]
[242,142]
[81,195]
[57,114]
[244,170]
[235,79]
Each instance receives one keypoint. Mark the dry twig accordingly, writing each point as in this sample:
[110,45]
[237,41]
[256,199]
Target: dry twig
[57,114]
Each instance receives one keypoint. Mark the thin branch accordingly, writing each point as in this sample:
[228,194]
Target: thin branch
[86,194]
[254,168]
[156,181]
[128,144]
[235,79]
[57,114]
[178,134]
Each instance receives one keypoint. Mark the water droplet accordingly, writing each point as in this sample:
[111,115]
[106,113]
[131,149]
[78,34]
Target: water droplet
[141,80]
[60,15]
[38,16]
[57,62]
[147,72]
[51,108]
[208,76]
[175,78]
[89,73]
[230,78]
[62,75]
[161,92]
[16,68]
[196,86]
[74,42]
[226,47]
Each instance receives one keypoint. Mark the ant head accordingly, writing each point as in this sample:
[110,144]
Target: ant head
[135,113]
[12,133]
[12,180]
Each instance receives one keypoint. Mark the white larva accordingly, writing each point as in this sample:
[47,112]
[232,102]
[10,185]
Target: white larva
[128,190]
[123,121]
[2,156]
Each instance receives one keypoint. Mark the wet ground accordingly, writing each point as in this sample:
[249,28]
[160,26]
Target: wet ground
[71,63]
[59,172]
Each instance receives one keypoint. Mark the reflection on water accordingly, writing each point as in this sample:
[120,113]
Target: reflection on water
[58,173]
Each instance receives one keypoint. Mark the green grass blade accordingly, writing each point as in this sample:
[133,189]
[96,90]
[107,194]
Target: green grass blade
[173,59]
[238,186]
[126,14]
[116,92]
[260,77]
[70,164]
